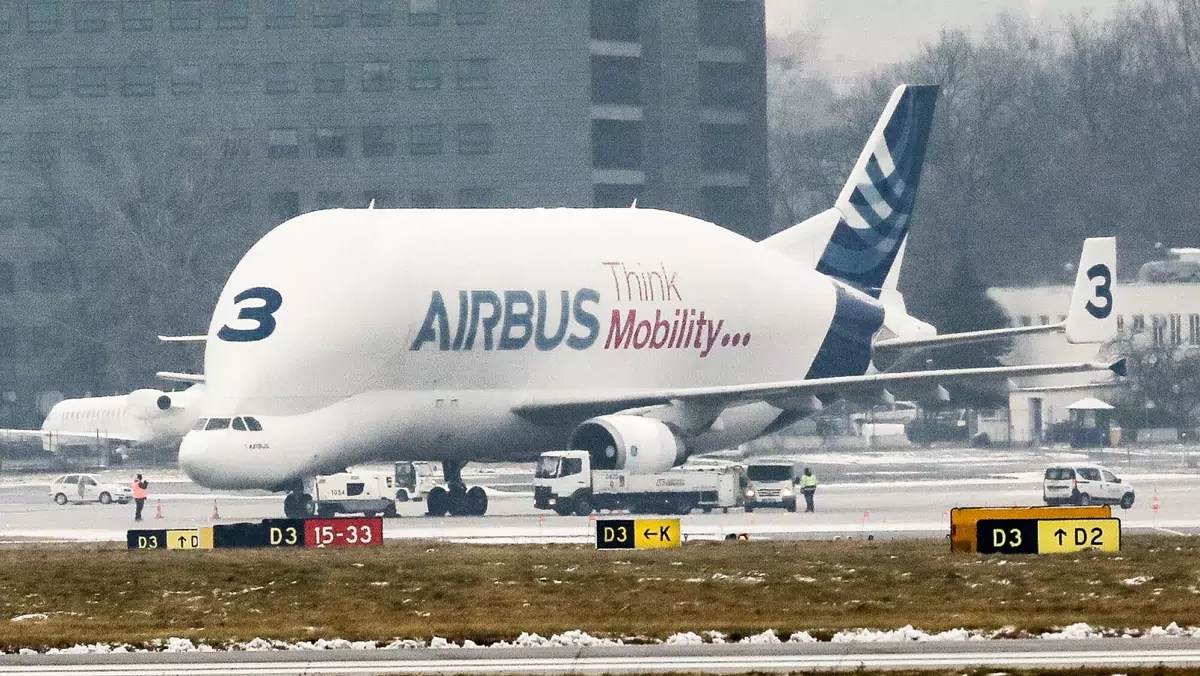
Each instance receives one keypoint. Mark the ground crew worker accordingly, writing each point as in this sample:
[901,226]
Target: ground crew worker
[808,486]
[139,496]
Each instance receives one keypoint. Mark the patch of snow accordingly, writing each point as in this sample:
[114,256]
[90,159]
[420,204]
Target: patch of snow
[801,637]
[687,638]
[30,616]
[1139,580]
[1077,631]
[767,637]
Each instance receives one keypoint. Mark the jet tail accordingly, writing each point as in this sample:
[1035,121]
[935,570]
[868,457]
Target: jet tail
[860,240]
[1090,318]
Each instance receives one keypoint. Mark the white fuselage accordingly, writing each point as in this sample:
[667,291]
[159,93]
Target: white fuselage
[357,335]
[91,421]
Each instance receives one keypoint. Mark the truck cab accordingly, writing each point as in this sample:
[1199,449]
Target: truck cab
[772,484]
[414,479]
[559,475]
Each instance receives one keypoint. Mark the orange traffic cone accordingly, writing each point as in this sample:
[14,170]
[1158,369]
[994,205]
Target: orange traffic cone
[158,512]
[216,514]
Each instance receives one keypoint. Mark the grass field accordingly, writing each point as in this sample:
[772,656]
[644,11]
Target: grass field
[484,593]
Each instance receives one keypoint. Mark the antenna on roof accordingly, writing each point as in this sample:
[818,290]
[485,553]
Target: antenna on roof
[372,204]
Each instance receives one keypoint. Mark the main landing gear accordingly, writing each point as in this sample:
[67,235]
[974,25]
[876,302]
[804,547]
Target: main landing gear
[455,499]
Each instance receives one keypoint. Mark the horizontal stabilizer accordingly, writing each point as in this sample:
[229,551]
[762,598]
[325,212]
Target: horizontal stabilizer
[183,339]
[966,337]
[181,377]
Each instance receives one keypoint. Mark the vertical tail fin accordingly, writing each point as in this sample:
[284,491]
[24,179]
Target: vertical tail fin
[1090,319]
[861,237]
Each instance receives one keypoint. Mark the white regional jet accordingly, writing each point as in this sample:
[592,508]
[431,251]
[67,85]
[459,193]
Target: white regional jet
[142,418]
[640,335]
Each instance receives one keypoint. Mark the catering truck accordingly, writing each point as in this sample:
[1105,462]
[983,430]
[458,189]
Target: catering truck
[565,482]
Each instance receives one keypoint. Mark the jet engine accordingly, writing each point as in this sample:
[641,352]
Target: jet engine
[147,403]
[629,442]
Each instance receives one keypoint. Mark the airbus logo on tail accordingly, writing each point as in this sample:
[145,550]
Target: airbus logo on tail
[511,320]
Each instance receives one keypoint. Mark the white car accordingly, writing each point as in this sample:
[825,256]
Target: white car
[86,488]
[1085,485]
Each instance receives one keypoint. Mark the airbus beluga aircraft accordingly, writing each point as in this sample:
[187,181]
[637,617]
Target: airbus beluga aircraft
[640,335]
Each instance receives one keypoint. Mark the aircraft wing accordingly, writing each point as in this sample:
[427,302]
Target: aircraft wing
[194,378]
[779,393]
[42,434]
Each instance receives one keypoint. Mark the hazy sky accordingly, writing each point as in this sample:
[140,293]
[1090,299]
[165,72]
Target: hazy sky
[856,35]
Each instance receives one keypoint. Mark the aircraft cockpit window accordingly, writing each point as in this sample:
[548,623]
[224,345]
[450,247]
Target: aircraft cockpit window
[253,425]
[217,424]
[239,425]
[200,424]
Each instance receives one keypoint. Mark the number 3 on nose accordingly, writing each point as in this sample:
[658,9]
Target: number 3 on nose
[263,315]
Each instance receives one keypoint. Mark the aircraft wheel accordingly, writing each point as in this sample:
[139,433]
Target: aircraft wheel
[60,499]
[477,501]
[308,508]
[438,502]
[291,507]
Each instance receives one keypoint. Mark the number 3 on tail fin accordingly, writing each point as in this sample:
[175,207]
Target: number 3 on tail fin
[1103,291]
[1090,318]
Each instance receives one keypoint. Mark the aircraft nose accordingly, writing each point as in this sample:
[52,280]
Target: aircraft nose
[193,460]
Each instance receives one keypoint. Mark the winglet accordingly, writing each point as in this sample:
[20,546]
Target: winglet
[1091,319]
[1119,367]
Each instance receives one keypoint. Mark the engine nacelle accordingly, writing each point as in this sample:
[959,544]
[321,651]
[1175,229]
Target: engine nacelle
[146,404]
[629,442]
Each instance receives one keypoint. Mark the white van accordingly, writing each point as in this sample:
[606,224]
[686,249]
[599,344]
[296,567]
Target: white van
[1085,485]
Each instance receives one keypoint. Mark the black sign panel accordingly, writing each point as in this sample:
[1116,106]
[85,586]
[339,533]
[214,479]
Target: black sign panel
[238,535]
[146,539]
[615,534]
[1007,536]
[282,533]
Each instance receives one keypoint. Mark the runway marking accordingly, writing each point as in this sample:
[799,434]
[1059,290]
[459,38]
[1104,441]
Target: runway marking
[1173,532]
[1054,656]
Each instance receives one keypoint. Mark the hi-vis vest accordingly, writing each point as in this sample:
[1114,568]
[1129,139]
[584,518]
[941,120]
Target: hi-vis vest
[139,493]
[808,481]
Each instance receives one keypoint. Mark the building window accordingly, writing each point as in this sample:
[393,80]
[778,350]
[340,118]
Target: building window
[423,12]
[6,88]
[471,12]
[91,17]
[1194,329]
[1120,322]
[329,13]
[330,141]
[474,197]
[283,205]
[722,23]
[137,80]
[8,278]
[282,14]
[377,13]
[1139,323]
[41,16]
[377,76]
[474,73]
[8,144]
[381,199]
[233,14]
[425,74]
[616,80]
[616,144]
[236,143]
[723,148]
[326,199]
[474,139]
[185,79]
[615,20]
[1158,325]
[91,81]
[185,15]
[723,85]
[425,199]
[281,78]
[330,77]
[137,16]
[1043,319]
[378,141]
[425,139]
[1175,324]
[235,77]
[45,83]
[283,143]
[1026,320]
